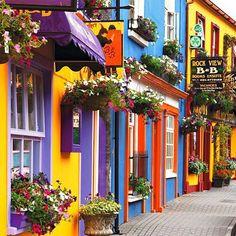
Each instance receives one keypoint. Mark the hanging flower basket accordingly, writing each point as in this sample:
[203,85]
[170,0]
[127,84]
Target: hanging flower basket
[17,35]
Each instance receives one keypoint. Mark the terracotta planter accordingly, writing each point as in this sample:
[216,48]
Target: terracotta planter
[19,220]
[98,224]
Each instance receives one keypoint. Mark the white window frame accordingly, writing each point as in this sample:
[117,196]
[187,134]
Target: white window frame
[174,25]
[170,129]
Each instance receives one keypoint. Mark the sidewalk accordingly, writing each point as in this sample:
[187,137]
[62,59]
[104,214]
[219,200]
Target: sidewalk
[208,213]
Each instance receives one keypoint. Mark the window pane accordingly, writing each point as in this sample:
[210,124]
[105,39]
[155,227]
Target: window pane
[27,157]
[39,90]
[31,108]
[169,163]
[36,157]
[20,98]
[16,156]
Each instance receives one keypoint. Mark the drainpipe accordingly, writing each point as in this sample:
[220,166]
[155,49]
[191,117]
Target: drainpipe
[188,2]
[116,227]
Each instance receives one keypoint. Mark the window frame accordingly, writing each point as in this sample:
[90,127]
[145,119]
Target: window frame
[170,130]
[200,17]
[215,36]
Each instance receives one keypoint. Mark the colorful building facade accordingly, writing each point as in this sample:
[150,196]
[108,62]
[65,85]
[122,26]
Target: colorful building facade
[205,144]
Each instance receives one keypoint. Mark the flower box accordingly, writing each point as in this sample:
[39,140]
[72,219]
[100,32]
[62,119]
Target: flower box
[19,220]
[227,181]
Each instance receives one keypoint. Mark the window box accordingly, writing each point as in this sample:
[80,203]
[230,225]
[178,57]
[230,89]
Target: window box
[70,128]
[19,220]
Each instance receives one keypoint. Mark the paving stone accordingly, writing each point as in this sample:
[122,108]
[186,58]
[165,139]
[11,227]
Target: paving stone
[207,213]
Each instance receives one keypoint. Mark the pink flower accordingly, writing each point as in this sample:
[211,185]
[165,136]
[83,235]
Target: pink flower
[44,40]
[23,25]
[6,12]
[17,48]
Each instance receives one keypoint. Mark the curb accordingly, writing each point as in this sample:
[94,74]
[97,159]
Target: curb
[231,230]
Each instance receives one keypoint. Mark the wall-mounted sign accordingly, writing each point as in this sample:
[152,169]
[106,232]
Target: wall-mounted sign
[195,41]
[110,36]
[198,28]
[60,5]
[207,73]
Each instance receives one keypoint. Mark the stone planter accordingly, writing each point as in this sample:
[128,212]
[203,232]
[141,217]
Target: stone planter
[19,220]
[98,224]
[218,182]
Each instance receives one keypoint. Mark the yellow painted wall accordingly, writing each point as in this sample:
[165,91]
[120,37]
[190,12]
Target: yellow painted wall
[65,166]
[233,141]
[193,179]
[210,17]
[3,149]
[225,28]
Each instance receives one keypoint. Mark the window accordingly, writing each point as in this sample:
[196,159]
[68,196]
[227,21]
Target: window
[27,120]
[201,20]
[138,158]
[171,21]
[170,143]
[137,10]
[214,40]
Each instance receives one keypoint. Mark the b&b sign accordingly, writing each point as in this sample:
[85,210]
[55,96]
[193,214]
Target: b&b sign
[207,73]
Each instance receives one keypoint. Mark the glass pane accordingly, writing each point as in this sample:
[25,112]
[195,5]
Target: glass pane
[36,155]
[39,91]
[20,98]
[16,156]
[31,108]
[27,157]
[169,163]
[13,112]
[76,127]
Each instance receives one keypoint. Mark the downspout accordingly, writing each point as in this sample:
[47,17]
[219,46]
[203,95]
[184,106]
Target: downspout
[116,227]
[187,110]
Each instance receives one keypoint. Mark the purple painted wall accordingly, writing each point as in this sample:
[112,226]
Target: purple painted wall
[86,159]
[102,158]
[41,2]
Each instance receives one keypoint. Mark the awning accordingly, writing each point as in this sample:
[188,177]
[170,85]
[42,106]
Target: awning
[75,41]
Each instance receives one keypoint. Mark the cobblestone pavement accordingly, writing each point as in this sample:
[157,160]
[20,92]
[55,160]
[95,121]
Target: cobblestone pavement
[208,213]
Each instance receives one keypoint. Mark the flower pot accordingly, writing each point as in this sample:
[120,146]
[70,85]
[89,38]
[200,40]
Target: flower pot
[227,181]
[3,56]
[218,182]
[98,224]
[19,220]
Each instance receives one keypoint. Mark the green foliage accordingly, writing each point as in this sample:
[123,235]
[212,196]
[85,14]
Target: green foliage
[171,48]
[140,185]
[163,68]
[196,166]
[100,205]
[44,204]
[147,28]
[193,123]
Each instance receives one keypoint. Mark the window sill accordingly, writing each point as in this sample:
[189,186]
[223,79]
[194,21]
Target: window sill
[170,175]
[173,61]
[15,231]
[132,198]
[137,38]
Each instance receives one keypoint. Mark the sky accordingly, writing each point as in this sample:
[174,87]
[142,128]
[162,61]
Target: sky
[228,6]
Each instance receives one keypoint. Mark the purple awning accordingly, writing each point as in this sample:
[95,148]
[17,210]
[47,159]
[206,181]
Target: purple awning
[66,27]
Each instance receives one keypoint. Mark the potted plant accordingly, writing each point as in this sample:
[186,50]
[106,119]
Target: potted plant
[17,35]
[196,166]
[146,102]
[134,67]
[147,29]
[93,11]
[140,186]
[171,49]
[96,94]
[193,122]
[221,172]
[163,68]
[98,214]
[43,205]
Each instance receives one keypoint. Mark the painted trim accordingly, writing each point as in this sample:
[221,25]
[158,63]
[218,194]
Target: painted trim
[164,160]
[127,170]
[217,29]
[164,87]
[203,18]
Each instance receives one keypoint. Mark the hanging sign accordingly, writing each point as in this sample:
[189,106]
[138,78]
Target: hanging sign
[207,73]
[60,5]
[198,28]
[195,41]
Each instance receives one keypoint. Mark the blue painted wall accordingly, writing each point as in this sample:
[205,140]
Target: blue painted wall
[170,189]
